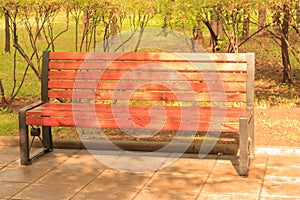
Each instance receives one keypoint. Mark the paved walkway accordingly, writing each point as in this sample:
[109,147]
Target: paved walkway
[75,174]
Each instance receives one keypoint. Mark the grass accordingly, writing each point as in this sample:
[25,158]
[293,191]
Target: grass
[8,122]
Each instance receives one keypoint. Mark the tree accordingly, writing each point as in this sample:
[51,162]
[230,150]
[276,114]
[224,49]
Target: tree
[75,9]
[285,18]
[19,15]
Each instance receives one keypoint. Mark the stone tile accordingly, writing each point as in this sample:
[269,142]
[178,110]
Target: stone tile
[8,189]
[80,177]
[24,174]
[7,158]
[227,170]
[113,184]
[283,173]
[162,193]
[194,166]
[106,157]
[234,186]
[204,196]
[92,192]
[116,179]
[49,160]
[48,191]
[14,150]
[54,158]
[142,162]
[176,182]
[260,160]
[281,189]
[284,161]
[82,162]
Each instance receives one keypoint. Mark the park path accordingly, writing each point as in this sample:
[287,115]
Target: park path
[76,174]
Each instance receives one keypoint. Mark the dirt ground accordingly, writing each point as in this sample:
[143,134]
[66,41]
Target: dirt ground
[277,126]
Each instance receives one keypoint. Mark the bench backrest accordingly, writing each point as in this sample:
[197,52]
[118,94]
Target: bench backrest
[147,78]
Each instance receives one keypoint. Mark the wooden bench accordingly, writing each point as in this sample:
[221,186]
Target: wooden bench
[214,93]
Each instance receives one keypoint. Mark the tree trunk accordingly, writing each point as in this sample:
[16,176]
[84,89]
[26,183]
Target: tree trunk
[3,99]
[198,34]
[38,31]
[262,16]
[246,25]
[7,32]
[287,68]
[213,34]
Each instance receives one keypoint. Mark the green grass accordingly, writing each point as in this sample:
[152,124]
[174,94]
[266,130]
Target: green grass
[8,123]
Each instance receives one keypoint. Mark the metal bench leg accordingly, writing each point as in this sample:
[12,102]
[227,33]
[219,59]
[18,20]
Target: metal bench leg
[47,137]
[24,140]
[244,156]
[251,136]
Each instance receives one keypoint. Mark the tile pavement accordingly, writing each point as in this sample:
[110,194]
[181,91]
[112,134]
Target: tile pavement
[76,174]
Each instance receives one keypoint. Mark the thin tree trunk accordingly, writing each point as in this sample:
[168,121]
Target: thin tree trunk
[287,69]
[246,25]
[3,101]
[7,32]
[262,16]
[198,34]
[38,32]
[214,37]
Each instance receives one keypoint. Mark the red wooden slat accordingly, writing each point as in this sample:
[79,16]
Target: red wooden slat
[153,65]
[144,56]
[138,112]
[148,76]
[145,85]
[69,122]
[121,108]
[153,96]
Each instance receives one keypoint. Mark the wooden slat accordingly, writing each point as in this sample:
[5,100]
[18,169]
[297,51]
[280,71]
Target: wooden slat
[153,65]
[153,96]
[145,85]
[139,112]
[149,56]
[148,76]
[121,108]
[185,126]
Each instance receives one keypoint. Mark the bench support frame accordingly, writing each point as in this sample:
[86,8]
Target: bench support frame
[246,123]
[23,127]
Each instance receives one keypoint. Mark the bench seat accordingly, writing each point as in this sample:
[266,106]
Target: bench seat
[62,114]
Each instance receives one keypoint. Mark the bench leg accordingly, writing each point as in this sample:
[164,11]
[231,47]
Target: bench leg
[24,140]
[251,136]
[244,154]
[47,137]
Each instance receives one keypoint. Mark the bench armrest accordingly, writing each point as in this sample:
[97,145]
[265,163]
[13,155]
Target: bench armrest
[31,106]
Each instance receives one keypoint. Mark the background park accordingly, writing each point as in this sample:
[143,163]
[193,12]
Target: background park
[270,29]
